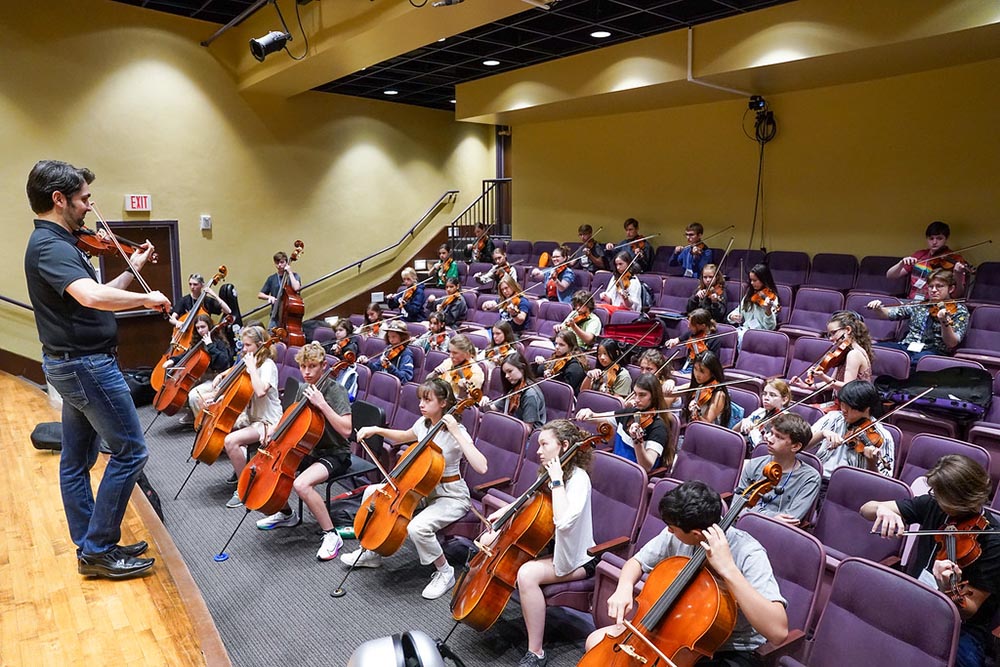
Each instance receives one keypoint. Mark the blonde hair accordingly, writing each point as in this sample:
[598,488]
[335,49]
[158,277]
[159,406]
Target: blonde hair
[256,334]
[408,272]
[311,352]
[462,343]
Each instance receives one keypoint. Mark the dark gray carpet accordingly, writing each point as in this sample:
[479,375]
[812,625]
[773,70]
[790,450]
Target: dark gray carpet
[271,600]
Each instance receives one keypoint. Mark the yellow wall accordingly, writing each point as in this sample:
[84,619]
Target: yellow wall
[130,94]
[859,168]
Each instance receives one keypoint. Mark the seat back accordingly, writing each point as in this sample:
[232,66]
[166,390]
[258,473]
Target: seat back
[763,353]
[598,402]
[364,379]
[839,524]
[383,391]
[407,408]
[559,399]
[518,251]
[890,361]
[712,454]
[920,630]
[926,449]
[986,288]
[806,353]
[617,500]
[799,569]
[418,362]
[501,439]
[872,278]
[983,333]
[748,400]
[937,362]
[738,262]
[812,308]
[788,267]
[833,270]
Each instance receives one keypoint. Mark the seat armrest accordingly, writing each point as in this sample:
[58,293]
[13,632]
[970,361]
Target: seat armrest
[772,652]
[891,561]
[492,484]
[610,545]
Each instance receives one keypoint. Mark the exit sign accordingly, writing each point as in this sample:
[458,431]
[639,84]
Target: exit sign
[138,202]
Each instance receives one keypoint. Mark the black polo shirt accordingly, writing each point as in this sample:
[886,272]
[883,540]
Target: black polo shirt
[51,263]
[186,304]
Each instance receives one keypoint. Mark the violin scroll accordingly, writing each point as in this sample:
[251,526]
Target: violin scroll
[771,475]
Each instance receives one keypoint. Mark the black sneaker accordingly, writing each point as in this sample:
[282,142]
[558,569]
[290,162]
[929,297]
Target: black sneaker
[233,480]
[532,660]
[113,565]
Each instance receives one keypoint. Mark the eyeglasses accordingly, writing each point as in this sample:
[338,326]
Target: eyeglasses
[830,334]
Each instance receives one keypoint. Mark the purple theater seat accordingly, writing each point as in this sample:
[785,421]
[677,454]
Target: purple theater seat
[739,262]
[675,294]
[762,355]
[619,489]
[839,524]
[712,454]
[372,346]
[871,276]
[474,268]
[407,408]
[287,367]
[833,271]
[925,450]
[364,379]
[598,402]
[811,311]
[890,361]
[937,362]
[432,360]
[661,262]
[559,399]
[806,353]
[807,412]
[986,289]
[599,282]
[982,339]
[383,391]
[418,362]
[518,251]
[748,400]
[788,267]
[919,629]
[539,247]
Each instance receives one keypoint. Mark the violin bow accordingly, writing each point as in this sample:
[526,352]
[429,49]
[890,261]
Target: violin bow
[788,407]
[142,281]
[888,414]
[955,252]
[718,267]
[711,236]
[718,384]
[681,343]
[924,303]
[629,243]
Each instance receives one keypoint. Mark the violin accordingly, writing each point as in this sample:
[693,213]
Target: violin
[555,365]
[642,420]
[180,339]
[232,396]
[766,297]
[95,244]
[437,340]
[524,529]
[702,399]
[407,295]
[497,354]
[638,247]
[390,353]
[443,268]
[610,377]
[381,521]
[865,435]
[962,549]
[288,308]
[681,590]
[184,373]
[266,481]
[833,358]
[950,308]
[698,248]
[624,281]
[552,285]
[447,301]
[514,400]
[695,347]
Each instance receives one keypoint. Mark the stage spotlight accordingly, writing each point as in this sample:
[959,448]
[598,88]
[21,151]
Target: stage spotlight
[757,103]
[264,46]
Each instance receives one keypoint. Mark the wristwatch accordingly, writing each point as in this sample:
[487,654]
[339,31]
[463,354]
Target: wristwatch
[555,484]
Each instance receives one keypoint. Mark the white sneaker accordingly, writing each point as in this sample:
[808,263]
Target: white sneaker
[186,418]
[332,543]
[441,583]
[362,558]
[279,520]
[235,501]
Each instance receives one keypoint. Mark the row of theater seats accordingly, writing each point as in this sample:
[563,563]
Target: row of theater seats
[835,271]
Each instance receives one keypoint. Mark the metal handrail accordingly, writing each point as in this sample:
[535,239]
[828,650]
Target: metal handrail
[16,303]
[449,194]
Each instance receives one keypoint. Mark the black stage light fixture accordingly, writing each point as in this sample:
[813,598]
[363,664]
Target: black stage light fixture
[264,46]
[757,103]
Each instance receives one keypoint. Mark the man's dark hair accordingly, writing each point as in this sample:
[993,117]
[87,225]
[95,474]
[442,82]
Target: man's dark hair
[691,506]
[795,427]
[938,228]
[859,394]
[50,176]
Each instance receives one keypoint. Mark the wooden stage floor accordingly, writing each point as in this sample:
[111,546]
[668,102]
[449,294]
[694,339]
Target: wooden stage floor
[49,614]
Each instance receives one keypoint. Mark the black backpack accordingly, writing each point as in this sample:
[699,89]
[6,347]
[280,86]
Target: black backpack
[647,297]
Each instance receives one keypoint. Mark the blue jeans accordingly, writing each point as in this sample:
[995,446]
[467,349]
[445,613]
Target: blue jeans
[96,402]
[970,650]
[914,356]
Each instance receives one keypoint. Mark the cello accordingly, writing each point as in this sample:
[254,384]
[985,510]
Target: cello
[288,308]
[266,481]
[525,528]
[180,340]
[381,521]
[233,395]
[187,370]
[682,614]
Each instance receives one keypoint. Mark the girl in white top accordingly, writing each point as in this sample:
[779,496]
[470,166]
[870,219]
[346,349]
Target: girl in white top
[618,295]
[574,529]
[450,499]
[264,409]
[749,314]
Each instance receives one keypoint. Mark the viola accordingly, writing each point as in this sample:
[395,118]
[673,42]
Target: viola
[95,244]
[833,358]
[288,308]
[180,339]
[766,297]
[184,373]
[864,434]
[681,590]
[266,481]
[381,521]
[522,531]
[962,548]
[232,397]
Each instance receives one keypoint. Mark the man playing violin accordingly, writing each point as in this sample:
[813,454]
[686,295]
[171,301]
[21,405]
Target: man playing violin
[212,305]
[79,336]
[271,291]
[936,327]
[642,250]
[331,457]
[923,262]
[692,513]
[959,491]
[582,323]
[592,256]
[857,400]
[693,256]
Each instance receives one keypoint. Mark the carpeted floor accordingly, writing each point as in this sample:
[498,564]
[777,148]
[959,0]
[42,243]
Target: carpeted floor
[271,600]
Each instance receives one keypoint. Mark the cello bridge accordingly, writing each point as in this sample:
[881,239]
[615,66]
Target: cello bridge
[632,653]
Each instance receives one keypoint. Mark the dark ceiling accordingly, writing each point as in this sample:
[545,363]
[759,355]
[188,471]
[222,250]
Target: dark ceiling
[427,76]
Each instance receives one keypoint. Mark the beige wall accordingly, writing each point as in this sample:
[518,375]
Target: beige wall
[132,95]
[859,168]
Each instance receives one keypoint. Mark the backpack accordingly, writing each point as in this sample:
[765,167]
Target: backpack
[736,414]
[647,297]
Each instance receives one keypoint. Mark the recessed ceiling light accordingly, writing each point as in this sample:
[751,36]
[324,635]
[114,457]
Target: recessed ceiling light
[600,34]
[390,92]
[453,101]
[491,63]
[442,39]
